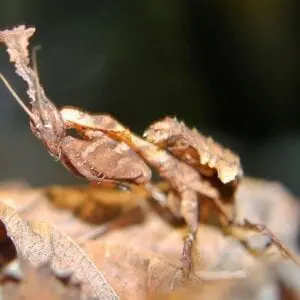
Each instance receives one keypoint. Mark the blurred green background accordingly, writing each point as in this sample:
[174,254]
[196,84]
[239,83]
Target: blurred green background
[230,68]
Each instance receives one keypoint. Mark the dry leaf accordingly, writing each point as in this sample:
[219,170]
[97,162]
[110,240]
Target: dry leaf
[137,273]
[270,203]
[32,204]
[96,204]
[134,274]
[216,257]
[39,243]
[257,286]
[215,251]
[30,287]
[152,235]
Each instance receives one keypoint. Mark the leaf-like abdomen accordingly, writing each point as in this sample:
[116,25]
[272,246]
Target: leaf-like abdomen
[105,159]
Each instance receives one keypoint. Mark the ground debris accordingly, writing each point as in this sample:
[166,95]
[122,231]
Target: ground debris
[39,243]
[29,288]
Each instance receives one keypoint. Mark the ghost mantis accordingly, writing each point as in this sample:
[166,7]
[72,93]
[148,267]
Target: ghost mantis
[196,167]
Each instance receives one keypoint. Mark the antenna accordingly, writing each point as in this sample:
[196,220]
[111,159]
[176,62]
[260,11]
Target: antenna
[17,98]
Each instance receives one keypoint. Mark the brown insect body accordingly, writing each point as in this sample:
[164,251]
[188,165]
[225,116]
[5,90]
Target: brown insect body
[184,180]
[168,166]
[105,150]
[97,158]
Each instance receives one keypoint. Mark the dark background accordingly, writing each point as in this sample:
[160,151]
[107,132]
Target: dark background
[230,68]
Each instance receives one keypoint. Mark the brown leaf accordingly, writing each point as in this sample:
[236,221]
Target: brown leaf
[137,273]
[256,286]
[268,203]
[153,235]
[39,243]
[215,257]
[32,204]
[272,204]
[134,274]
[199,151]
[30,287]
[215,251]
[96,204]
